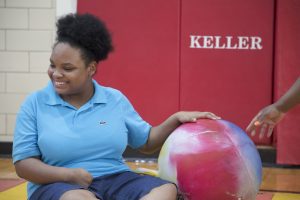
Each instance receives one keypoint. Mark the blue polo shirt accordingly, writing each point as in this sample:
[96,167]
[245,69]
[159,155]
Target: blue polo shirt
[92,137]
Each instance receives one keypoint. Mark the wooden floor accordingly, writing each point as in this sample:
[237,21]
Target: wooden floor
[275,180]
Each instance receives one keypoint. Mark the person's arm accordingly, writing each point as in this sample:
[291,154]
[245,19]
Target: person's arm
[269,116]
[34,170]
[290,99]
[159,134]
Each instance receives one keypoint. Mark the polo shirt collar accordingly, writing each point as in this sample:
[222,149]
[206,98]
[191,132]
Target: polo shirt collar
[99,94]
[54,99]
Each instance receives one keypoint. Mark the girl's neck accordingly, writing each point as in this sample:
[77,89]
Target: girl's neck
[78,100]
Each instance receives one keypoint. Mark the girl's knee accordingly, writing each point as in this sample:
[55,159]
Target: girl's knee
[171,189]
[78,195]
[164,192]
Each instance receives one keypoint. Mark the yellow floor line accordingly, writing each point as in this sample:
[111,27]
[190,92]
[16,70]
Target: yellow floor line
[286,196]
[15,193]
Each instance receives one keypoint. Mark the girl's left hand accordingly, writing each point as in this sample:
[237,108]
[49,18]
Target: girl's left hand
[192,116]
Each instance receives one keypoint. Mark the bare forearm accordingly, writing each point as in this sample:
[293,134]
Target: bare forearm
[290,99]
[160,133]
[34,170]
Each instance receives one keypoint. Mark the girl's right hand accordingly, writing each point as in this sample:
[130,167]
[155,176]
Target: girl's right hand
[79,176]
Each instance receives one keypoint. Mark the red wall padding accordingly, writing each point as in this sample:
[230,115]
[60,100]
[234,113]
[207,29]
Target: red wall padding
[234,83]
[287,70]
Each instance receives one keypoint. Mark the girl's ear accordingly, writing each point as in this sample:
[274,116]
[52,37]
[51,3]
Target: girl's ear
[92,68]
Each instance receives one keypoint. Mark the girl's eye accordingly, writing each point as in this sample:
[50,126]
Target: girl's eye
[68,69]
[52,66]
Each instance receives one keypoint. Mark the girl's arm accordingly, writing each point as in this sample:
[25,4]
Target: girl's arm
[34,170]
[159,134]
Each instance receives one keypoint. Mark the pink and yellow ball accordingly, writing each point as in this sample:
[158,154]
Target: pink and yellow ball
[211,160]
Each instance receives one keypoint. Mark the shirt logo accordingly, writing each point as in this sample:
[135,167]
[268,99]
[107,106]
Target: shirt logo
[102,122]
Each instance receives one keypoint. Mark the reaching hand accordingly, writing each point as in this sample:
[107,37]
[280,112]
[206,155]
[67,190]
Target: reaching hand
[266,119]
[81,177]
[193,116]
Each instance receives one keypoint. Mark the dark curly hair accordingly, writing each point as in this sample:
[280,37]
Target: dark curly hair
[86,32]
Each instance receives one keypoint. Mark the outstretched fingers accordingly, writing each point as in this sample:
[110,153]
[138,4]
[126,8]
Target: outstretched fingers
[208,115]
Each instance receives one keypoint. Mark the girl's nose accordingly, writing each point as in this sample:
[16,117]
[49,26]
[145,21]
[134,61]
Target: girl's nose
[57,73]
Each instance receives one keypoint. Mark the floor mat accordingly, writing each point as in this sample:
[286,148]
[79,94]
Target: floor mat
[16,193]
[286,196]
[9,183]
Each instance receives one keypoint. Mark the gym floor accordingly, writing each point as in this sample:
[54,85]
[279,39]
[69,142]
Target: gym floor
[279,183]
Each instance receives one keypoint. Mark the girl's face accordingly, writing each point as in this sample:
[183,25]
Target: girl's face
[68,72]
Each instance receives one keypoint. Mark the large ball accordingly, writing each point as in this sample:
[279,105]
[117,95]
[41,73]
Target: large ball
[211,160]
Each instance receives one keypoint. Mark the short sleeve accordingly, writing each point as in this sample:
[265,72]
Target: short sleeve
[25,134]
[138,129]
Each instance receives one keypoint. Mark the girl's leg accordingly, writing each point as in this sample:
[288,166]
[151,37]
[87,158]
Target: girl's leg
[163,192]
[78,195]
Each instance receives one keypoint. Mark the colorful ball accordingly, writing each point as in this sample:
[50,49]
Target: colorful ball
[211,160]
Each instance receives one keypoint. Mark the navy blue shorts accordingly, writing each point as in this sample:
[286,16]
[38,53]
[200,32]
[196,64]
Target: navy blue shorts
[121,186]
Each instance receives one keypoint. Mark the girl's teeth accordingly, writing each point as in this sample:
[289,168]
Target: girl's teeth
[59,83]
